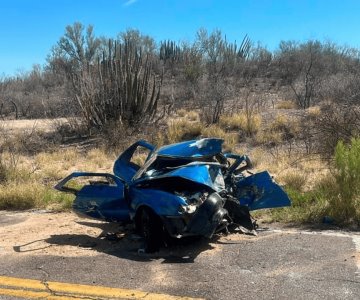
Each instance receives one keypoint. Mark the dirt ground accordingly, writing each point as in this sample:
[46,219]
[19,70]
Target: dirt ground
[44,125]
[68,235]
[28,232]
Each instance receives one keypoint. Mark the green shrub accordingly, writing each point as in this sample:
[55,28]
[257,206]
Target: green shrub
[344,197]
[3,173]
[27,195]
[306,207]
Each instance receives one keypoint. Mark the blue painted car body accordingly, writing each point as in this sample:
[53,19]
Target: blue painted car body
[188,185]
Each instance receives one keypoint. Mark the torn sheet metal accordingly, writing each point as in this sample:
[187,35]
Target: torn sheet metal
[188,188]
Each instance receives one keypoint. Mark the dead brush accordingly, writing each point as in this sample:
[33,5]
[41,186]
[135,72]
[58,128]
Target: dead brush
[3,173]
[181,112]
[230,139]
[314,112]
[286,104]
[192,116]
[280,130]
[213,131]
[181,130]
[247,123]
[26,197]
[294,180]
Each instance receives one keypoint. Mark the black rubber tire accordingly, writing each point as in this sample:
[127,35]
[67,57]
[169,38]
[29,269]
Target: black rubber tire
[151,228]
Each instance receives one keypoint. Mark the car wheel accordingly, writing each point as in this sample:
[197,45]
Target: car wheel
[150,227]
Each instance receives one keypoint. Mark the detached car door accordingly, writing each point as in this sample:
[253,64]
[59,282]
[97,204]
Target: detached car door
[103,198]
[261,191]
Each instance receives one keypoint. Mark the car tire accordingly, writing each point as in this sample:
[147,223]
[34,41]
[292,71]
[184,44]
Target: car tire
[151,228]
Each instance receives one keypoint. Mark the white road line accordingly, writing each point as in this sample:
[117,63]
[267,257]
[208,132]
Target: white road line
[356,240]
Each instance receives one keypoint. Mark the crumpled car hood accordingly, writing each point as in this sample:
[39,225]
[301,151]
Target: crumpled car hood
[208,174]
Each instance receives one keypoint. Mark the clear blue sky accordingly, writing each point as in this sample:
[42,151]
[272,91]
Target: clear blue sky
[29,28]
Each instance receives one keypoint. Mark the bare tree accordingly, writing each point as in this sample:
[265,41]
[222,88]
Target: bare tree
[78,45]
[302,70]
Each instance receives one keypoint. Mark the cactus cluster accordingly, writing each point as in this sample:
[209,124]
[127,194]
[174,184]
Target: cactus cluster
[170,51]
[119,86]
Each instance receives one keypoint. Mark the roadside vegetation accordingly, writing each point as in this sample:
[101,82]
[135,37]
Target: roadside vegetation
[295,111]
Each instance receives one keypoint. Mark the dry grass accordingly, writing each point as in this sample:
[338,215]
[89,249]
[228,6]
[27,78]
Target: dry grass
[268,138]
[249,124]
[181,112]
[20,196]
[282,128]
[314,112]
[43,125]
[193,116]
[189,115]
[294,179]
[29,182]
[283,123]
[286,104]
[181,130]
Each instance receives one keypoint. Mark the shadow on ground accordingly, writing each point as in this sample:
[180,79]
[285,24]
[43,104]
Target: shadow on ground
[122,242]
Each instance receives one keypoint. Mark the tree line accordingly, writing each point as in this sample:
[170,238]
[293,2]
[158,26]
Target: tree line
[134,80]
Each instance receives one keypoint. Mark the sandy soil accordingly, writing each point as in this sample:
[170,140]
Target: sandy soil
[45,125]
[47,233]
[68,235]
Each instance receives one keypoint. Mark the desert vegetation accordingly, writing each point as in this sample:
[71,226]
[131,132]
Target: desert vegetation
[295,111]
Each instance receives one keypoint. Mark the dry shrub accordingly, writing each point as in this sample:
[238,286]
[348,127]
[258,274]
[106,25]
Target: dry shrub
[286,104]
[230,141]
[268,138]
[139,158]
[3,173]
[337,122]
[55,165]
[281,129]
[160,139]
[232,122]
[14,197]
[294,180]
[115,136]
[25,142]
[258,158]
[192,116]
[181,112]
[189,115]
[32,194]
[213,131]
[99,158]
[314,112]
[182,130]
[249,124]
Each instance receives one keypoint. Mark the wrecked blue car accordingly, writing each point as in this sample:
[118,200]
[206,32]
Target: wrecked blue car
[185,189]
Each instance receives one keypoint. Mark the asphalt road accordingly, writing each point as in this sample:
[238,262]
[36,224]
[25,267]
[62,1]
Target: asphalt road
[279,263]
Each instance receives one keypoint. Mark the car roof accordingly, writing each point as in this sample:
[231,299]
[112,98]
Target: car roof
[192,149]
